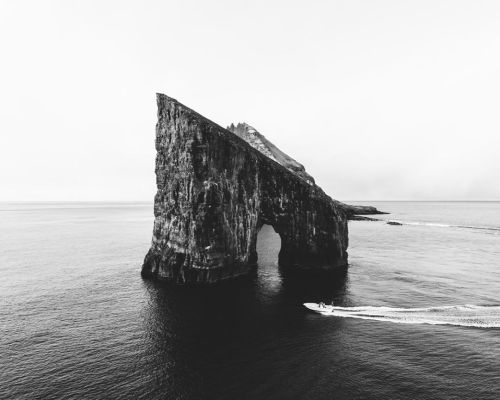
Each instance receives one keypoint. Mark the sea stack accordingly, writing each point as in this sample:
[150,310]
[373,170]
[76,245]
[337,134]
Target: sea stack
[216,189]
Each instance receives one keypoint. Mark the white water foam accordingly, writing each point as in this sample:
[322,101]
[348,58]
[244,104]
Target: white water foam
[435,224]
[465,315]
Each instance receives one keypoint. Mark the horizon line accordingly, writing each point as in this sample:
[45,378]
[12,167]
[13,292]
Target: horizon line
[351,200]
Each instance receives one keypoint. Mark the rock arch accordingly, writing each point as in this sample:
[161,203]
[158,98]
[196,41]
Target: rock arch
[215,191]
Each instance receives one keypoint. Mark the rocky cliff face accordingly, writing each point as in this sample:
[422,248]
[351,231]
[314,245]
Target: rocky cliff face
[215,191]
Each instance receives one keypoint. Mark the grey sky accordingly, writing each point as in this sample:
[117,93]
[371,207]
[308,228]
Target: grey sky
[378,99]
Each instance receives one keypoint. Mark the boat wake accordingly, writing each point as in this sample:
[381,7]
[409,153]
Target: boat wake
[438,225]
[466,315]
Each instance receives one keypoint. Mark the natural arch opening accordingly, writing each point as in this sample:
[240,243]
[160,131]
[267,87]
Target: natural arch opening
[268,247]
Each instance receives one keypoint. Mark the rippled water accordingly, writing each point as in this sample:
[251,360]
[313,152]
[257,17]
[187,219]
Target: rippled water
[77,320]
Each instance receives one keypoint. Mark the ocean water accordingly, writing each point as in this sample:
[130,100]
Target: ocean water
[417,314]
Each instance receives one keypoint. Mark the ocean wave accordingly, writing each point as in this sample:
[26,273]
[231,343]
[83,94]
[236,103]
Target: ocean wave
[440,225]
[463,315]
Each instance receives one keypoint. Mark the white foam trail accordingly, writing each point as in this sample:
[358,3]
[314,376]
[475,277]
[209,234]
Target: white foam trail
[435,224]
[465,315]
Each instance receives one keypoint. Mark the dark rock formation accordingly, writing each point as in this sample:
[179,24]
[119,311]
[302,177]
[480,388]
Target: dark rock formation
[394,223]
[360,210]
[356,217]
[215,191]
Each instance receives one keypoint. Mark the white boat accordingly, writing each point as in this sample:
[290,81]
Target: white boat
[323,309]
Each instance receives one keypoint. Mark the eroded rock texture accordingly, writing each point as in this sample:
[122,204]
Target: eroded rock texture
[215,191]
[258,141]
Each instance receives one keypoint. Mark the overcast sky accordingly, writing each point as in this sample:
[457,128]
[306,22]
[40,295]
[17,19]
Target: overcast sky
[378,99]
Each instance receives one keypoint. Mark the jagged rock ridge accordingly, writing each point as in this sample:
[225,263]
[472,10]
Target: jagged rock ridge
[215,191]
[266,147]
[259,142]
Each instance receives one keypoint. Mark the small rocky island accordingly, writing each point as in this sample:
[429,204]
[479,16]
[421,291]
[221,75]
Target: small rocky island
[217,187]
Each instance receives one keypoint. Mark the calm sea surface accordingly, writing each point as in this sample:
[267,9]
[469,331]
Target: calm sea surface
[417,313]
